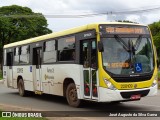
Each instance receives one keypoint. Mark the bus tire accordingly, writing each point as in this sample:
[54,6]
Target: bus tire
[71,95]
[21,89]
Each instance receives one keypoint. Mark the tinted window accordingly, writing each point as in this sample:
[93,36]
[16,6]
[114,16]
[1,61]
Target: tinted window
[66,49]
[24,56]
[50,45]
[50,54]
[24,50]
[10,59]
[16,55]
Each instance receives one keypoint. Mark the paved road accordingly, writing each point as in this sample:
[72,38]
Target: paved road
[55,103]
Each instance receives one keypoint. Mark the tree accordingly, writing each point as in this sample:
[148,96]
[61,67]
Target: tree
[19,23]
[155,30]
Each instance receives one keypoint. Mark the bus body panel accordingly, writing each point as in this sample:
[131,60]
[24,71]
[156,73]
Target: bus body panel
[119,85]
[24,72]
[54,75]
[5,72]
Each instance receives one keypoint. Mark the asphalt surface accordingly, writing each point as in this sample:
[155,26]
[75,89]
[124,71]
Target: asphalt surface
[52,103]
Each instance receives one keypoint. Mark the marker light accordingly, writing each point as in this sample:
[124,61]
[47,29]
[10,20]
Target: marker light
[155,81]
[109,84]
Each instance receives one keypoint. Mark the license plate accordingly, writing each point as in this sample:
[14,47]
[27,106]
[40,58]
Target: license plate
[135,97]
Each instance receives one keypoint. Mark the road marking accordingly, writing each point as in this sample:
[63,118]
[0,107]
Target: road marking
[144,105]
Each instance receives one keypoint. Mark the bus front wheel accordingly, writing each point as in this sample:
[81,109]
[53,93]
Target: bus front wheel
[21,88]
[71,95]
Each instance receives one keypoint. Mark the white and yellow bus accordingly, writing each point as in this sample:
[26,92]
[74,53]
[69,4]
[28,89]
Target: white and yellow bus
[102,62]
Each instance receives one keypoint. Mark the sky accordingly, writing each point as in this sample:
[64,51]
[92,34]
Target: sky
[64,14]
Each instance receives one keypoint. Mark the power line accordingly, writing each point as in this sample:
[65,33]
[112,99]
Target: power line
[137,11]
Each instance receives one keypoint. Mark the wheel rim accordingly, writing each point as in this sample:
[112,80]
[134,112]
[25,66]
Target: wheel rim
[73,95]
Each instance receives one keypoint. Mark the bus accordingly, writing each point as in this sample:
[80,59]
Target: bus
[101,62]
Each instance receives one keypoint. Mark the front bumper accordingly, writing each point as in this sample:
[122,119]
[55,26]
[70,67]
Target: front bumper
[107,95]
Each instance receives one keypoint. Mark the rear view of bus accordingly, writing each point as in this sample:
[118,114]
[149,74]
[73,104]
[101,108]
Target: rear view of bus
[127,64]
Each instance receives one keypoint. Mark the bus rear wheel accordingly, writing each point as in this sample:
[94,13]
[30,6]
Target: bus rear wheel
[21,88]
[71,95]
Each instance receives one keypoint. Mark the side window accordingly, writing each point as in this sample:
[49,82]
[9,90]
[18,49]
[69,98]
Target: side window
[66,49]
[85,54]
[93,55]
[16,55]
[10,59]
[24,54]
[50,54]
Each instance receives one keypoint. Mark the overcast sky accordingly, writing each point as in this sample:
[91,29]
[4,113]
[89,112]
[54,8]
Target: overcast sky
[55,11]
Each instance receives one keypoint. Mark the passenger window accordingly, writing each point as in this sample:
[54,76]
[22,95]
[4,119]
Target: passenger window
[50,54]
[16,55]
[24,54]
[66,49]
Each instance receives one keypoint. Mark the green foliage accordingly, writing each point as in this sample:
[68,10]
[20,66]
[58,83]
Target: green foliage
[1,76]
[159,79]
[159,75]
[155,29]
[19,23]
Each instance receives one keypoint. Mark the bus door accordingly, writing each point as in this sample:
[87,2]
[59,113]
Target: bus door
[9,69]
[88,57]
[37,59]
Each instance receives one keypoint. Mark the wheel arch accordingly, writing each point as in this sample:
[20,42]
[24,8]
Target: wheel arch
[18,78]
[66,82]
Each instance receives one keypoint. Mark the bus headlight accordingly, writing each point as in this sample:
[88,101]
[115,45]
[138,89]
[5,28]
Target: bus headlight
[109,84]
[155,81]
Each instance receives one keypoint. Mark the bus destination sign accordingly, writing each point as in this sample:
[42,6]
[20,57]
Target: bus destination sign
[126,30]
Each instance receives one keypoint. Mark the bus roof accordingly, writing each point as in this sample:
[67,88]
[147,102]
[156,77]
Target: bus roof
[65,32]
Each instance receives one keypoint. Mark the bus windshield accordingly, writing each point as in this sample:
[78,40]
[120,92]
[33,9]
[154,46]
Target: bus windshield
[125,55]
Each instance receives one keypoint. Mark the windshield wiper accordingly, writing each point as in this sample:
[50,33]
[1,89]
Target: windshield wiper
[136,46]
[122,42]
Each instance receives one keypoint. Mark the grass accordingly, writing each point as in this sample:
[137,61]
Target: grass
[1,76]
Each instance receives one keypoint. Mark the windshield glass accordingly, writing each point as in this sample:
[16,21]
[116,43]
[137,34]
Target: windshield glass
[125,55]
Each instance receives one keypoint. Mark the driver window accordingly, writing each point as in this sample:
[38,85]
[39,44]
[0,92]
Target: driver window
[88,54]
[93,55]
[85,52]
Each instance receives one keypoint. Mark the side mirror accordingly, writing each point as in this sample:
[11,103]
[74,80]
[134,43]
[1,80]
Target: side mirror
[100,46]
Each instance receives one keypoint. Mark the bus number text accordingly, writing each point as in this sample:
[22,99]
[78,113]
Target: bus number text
[126,86]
